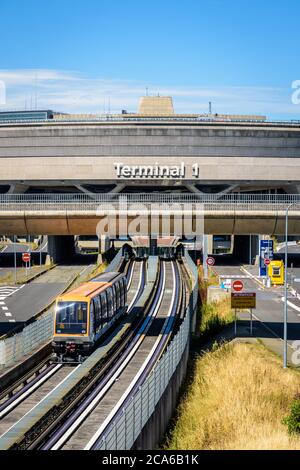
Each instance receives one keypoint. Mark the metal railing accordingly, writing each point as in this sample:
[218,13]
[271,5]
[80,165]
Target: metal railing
[132,119]
[128,426]
[93,202]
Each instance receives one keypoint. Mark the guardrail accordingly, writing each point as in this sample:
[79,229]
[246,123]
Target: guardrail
[133,119]
[36,333]
[93,202]
[127,428]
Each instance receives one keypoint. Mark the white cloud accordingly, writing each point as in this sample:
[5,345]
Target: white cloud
[69,91]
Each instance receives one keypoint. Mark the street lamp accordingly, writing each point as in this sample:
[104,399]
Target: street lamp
[285,313]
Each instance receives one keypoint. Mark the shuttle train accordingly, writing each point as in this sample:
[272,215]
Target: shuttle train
[85,313]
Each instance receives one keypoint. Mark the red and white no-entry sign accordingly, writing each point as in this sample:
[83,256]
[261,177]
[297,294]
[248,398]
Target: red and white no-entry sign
[267,262]
[26,257]
[210,261]
[237,285]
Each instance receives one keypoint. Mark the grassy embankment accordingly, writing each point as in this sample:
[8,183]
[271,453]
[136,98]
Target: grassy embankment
[238,400]
[238,395]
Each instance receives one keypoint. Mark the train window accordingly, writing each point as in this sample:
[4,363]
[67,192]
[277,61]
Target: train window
[124,289]
[109,303]
[97,312]
[118,289]
[114,297]
[92,314]
[103,307]
[71,317]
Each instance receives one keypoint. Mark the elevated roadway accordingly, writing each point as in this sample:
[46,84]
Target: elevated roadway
[121,215]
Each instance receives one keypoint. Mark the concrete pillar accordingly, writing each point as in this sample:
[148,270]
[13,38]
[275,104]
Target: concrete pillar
[205,254]
[153,246]
[61,248]
[103,244]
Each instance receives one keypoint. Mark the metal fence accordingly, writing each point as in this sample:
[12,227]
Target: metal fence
[126,429]
[94,202]
[36,333]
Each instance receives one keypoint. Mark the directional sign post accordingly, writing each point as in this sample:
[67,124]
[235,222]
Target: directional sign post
[243,300]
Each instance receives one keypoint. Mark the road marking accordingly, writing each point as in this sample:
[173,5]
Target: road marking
[290,304]
[7,291]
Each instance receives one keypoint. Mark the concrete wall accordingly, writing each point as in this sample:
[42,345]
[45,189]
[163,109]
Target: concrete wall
[153,432]
[87,152]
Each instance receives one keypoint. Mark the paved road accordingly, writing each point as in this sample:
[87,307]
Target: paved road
[22,247]
[18,304]
[269,309]
[15,247]
[291,249]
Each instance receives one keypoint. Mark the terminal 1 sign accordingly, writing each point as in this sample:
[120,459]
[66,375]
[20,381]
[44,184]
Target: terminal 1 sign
[155,171]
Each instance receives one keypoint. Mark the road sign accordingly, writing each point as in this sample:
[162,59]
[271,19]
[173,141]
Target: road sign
[267,262]
[210,261]
[226,284]
[26,257]
[237,285]
[243,300]
[266,252]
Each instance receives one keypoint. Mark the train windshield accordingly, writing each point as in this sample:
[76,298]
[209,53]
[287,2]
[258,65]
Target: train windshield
[71,318]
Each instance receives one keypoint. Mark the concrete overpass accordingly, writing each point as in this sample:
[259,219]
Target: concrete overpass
[146,214]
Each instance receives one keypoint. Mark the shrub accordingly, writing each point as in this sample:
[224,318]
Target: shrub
[292,421]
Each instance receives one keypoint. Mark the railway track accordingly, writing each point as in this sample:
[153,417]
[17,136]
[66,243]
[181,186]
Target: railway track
[85,413]
[29,390]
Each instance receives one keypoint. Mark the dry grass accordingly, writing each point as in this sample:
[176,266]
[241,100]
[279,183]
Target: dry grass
[213,280]
[9,277]
[214,316]
[238,400]
[99,269]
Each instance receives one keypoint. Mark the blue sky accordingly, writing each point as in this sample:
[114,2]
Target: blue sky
[81,55]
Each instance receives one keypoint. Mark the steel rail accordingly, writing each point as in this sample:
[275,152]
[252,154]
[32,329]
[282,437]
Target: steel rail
[156,352]
[70,426]
[78,416]
[103,365]
[14,399]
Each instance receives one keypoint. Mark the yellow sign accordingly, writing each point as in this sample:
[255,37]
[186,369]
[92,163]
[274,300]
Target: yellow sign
[243,300]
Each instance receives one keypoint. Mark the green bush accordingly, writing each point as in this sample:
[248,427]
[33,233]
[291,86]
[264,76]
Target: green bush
[292,421]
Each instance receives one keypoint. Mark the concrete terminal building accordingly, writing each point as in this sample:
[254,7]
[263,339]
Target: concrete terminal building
[154,150]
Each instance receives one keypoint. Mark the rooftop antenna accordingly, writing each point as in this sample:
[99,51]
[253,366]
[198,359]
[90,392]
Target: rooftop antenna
[146,91]
[209,108]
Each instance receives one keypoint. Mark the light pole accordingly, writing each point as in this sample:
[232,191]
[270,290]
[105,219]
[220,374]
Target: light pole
[285,312]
